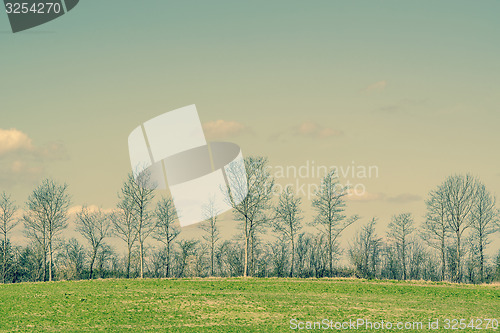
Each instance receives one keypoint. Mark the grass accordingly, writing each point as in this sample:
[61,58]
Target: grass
[233,304]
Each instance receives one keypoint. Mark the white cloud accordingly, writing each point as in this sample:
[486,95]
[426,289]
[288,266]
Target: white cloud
[377,86]
[404,198]
[23,162]
[364,196]
[14,140]
[312,129]
[223,129]
[91,208]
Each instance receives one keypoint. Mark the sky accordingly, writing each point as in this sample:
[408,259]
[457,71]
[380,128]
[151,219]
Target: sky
[410,88]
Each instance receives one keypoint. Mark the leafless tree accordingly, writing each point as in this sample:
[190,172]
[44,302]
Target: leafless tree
[330,205]
[186,256]
[253,206]
[139,192]
[288,218]
[7,223]
[365,250]
[72,259]
[125,227]
[484,215]
[303,249]
[400,228]
[94,227]
[279,257]
[166,232]
[459,193]
[46,216]
[212,234]
[436,228]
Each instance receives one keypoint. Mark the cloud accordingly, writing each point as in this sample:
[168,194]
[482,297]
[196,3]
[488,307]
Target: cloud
[368,196]
[223,129]
[23,162]
[377,86]
[14,140]
[312,129]
[403,105]
[404,198]
[73,210]
[364,196]
[20,167]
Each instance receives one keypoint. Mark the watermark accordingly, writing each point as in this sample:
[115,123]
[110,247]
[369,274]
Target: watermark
[305,179]
[27,14]
[204,179]
[384,325]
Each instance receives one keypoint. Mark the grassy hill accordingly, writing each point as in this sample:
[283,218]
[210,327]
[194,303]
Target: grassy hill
[238,305]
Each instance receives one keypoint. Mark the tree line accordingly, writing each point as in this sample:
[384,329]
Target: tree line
[449,245]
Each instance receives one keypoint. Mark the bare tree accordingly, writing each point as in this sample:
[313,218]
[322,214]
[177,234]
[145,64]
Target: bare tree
[365,250]
[330,205]
[459,193]
[46,216]
[252,208]
[212,231]
[94,227]
[72,257]
[436,229]
[125,227]
[288,218]
[400,228]
[166,231]
[188,250]
[484,214]
[7,223]
[139,192]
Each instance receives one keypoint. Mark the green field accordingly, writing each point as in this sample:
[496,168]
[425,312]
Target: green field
[235,304]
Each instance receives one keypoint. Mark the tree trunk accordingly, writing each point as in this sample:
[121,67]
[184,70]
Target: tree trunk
[128,261]
[481,259]
[458,275]
[92,264]
[44,249]
[50,259]
[293,255]
[245,268]
[330,249]
[4,264]
[251,269]
[167,273]
[141,249]
[404,260]
[443,260]
[212,258]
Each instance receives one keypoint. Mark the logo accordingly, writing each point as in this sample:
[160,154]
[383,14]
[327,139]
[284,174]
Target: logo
[26,14]
[205,179]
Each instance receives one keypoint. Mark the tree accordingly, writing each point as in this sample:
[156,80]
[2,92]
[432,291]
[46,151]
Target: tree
[46,217]
[94,227]
[7,223]
[484,214]
[436,228]
[459,193]
[250,198]
[400,228]
[166,232]
[212,231]
[125,227]
[329,204]
[365,250]
[139,193]
[288,217]
[188,249]
[73,258]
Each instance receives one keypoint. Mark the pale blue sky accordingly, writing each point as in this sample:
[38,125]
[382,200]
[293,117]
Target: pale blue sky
[411,87]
